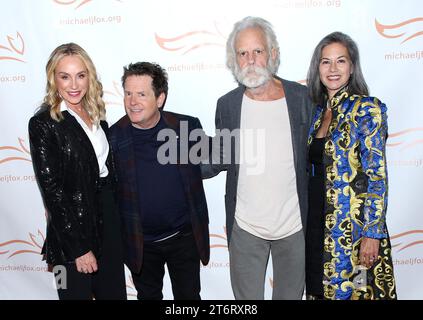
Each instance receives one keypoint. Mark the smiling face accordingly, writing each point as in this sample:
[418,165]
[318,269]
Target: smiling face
[141,104]
[335,67]
[71,78]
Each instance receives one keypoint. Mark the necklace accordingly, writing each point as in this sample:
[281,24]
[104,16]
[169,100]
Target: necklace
[78,110]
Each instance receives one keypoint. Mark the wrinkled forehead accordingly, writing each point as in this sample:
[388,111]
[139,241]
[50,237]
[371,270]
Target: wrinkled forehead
[252,37]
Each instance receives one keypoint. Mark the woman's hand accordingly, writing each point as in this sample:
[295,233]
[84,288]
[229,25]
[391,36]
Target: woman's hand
[86,263]
[369,251]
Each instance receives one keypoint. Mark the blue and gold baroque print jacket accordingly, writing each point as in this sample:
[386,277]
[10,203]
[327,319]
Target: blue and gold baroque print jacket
[355,197]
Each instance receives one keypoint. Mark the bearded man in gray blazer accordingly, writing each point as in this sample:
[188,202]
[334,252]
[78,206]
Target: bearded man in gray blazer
[267,120]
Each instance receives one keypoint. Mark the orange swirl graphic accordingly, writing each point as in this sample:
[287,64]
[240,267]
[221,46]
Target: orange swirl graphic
[190,41]
[72,2]
[413,144]
[218,246]
[405,144]
[66,2]
[381,28]
[69,2]
[13,159]
[34,243]
[18,48]
[22,145]
[22,149]
[406,244]
[401,133]
[219,236]
[406,233]
[411,245]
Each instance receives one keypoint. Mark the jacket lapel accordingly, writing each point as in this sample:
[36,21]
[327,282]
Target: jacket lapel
[73,126]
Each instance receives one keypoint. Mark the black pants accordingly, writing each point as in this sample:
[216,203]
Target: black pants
[108,283]
[183,262]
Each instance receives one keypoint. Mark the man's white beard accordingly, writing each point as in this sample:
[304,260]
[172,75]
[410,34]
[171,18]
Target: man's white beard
[253,76]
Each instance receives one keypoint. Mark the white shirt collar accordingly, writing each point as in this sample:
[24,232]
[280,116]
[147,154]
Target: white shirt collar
[64,107]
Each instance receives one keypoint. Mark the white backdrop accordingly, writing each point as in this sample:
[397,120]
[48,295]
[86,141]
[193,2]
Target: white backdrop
[187,38]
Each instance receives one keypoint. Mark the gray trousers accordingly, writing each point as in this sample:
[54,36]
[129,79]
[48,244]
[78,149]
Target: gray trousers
[249,256]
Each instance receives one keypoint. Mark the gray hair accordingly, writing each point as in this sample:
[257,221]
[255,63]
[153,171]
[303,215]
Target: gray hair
[272,42]
[356,84]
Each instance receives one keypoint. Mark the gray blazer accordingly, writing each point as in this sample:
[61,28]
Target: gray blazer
[228,116]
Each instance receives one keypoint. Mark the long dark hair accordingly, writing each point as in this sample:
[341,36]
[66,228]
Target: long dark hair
[356,84]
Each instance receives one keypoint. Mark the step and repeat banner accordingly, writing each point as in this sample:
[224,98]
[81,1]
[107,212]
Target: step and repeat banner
[188,39]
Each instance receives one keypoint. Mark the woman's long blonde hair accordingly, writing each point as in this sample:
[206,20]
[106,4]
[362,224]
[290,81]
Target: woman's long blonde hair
[92,101]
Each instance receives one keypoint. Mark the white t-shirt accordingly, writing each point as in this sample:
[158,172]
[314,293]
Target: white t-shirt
[267,199]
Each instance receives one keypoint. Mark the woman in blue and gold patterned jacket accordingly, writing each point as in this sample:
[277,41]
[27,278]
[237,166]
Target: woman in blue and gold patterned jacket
[347,242]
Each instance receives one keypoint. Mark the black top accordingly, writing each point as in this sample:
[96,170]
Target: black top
[162,199]
[315,221]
